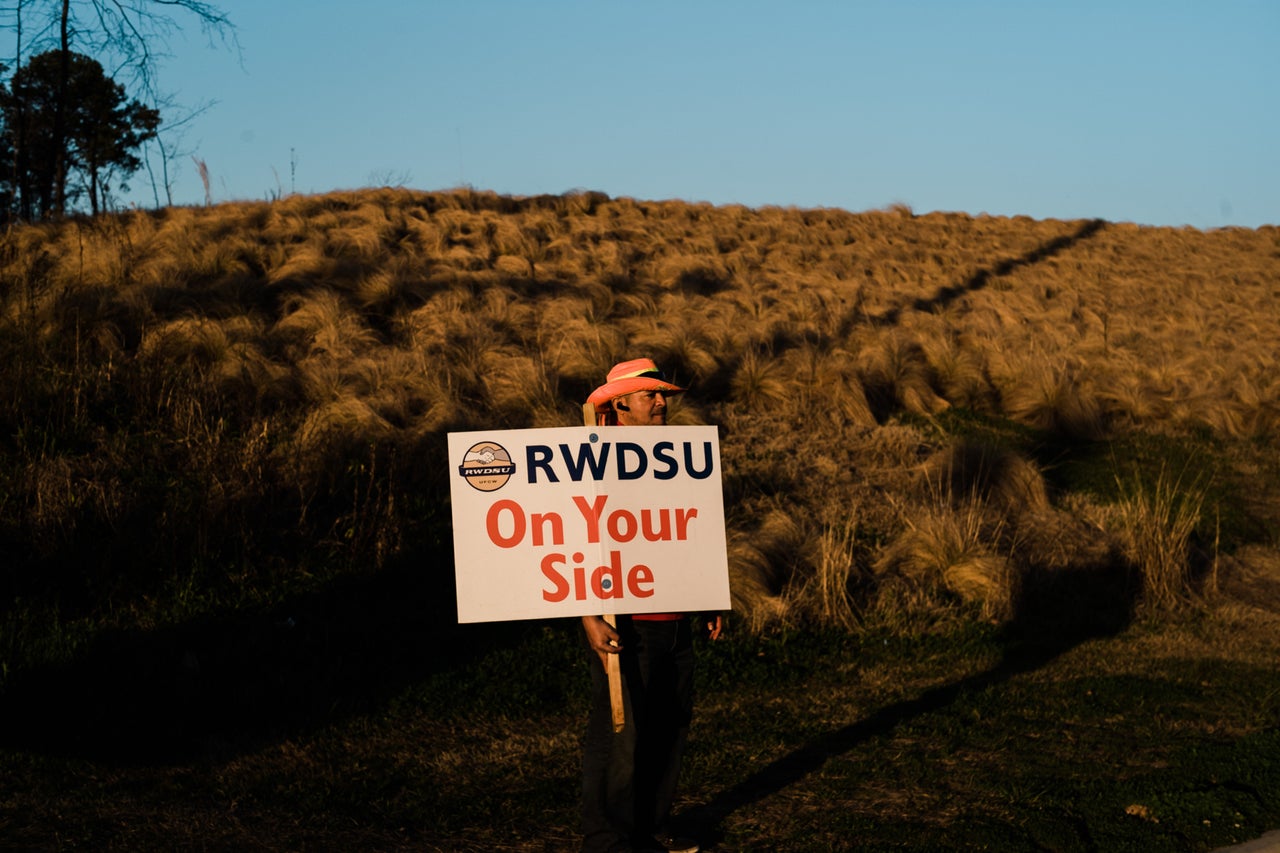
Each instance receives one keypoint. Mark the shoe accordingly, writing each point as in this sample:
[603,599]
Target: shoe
[675,844]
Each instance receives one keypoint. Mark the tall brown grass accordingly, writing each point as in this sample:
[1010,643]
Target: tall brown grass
[297,363]
[1156,522]
[826,595]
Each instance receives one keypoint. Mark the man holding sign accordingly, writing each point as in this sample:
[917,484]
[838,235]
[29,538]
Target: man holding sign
[629,775]
[572,522]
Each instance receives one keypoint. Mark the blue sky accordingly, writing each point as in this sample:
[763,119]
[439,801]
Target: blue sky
[1162,113]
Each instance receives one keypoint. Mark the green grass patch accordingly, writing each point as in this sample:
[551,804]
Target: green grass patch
[1157,739]
[1196,463]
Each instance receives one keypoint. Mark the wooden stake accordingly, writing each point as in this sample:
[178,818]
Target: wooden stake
[612,668]
[615,684]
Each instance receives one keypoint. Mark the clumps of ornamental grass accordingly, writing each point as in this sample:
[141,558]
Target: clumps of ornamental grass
[577,345]
[423,240]
[60,493]
[381,289]
[31,293]
[678,342]
[946,555]
[1259,398]
[432,328]
[959,368]
[337,429]
[297,262]
[957,541]
[412,395]
[823,594]
[544,249]
[212,260]
[505,312]
[758,382]
[322,322]
[762,561]
[695,274]
[999,477]
[344,327]
[753,312]
[831,386]
[1129,399]
[363,236]
[52,320]
[1053,396]
[227,356]
[192,341]
[95,253]
[322,378]
[815,312]
[1156,523]
[521,391]
[1249,408]
[896,373]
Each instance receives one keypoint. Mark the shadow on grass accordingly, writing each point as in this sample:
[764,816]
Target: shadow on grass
[944,296]
[218,687]
[1056,612]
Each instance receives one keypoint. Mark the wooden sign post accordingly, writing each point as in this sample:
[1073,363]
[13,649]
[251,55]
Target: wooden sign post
[613,668]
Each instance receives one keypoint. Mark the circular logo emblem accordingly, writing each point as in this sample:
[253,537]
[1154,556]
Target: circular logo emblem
[487,466]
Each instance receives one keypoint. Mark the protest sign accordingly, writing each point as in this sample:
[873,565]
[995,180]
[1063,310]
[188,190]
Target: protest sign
[577,521]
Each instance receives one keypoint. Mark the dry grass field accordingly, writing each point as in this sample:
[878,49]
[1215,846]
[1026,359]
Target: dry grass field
[925,420]
[902,398]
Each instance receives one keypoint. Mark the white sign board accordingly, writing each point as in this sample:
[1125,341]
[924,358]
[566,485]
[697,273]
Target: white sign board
[587,520]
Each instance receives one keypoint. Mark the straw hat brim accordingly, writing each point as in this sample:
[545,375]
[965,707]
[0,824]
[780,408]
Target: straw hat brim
[607,392]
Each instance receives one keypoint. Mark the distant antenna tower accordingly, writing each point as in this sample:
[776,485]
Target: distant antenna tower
[293,171]
[462,176]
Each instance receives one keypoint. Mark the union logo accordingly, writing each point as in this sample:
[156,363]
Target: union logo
[487,466]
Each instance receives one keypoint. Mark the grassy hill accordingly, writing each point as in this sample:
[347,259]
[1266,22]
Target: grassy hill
[224,434]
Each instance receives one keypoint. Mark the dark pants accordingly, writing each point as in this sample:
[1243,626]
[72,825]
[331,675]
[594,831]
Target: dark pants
[629,778]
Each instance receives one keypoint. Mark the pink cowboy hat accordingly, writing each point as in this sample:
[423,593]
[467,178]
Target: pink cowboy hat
[626,377]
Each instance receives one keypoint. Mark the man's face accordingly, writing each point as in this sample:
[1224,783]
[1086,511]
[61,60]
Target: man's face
[642,408]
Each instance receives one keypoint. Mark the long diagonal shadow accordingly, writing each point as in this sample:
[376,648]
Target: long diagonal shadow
[944,296]
[1099,602]
[810,758]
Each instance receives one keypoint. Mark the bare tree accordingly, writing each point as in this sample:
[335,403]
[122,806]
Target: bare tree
[170,142]
[130,37]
